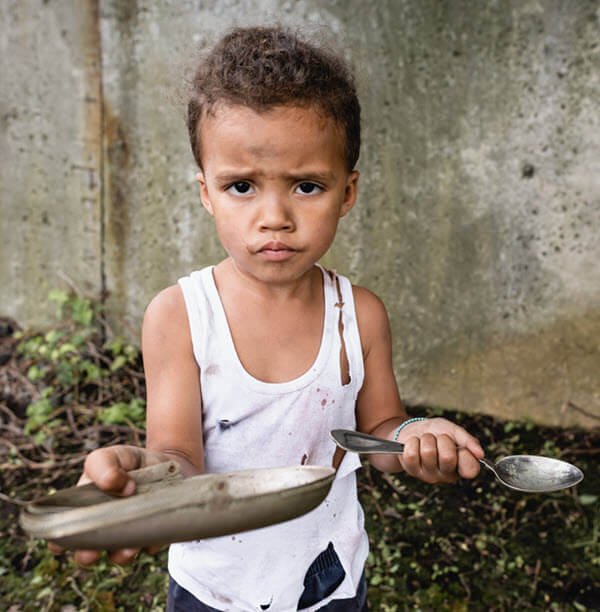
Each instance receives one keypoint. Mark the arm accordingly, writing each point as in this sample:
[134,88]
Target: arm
[173,415]
[436,450]
[174,405]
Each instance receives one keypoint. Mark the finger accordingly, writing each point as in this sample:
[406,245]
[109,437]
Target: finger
[447,456]
[124,555]
[429,454]
[86,557]
[468,464]
[411,457]
[55,549]
[152,550]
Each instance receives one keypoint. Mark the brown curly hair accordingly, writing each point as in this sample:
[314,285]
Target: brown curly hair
[264,67]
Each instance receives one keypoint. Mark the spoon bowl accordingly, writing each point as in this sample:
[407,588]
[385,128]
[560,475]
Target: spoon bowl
[534,473]
[526,473]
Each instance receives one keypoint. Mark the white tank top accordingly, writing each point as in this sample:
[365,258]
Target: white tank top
[248,423]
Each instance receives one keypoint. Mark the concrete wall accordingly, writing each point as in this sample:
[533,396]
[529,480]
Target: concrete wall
[479,210]
[50,154]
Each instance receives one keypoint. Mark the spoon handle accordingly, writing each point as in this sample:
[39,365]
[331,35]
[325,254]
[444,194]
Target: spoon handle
[357,442]
[489,465]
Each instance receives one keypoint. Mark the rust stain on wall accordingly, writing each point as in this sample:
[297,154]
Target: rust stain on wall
[116,212]
[93,163]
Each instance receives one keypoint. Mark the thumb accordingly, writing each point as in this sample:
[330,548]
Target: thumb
[464,439]
[108,468]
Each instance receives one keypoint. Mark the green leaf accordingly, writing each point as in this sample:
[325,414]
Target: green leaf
[67,348]
[118,363]
[123,413]
[38,413]
[40,437]
[82,311]
[53,336]
[60,298]
[35,372]
[115,346]
[92,372]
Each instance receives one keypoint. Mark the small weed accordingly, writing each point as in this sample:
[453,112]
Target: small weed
[72,364]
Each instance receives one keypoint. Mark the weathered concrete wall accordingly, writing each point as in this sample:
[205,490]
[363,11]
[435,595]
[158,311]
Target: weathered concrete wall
[480,198]
[50,153]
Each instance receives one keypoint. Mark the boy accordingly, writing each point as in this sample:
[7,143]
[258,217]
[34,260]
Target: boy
[252,362]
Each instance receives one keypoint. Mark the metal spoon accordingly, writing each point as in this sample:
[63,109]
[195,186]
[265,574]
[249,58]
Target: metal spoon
[527,473]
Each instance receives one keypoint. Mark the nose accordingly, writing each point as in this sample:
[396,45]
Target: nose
[276,214]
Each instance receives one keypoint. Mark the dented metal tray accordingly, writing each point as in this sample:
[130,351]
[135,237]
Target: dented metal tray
[167,508]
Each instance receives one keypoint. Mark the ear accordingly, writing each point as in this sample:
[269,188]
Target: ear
[204,192]
[350,193]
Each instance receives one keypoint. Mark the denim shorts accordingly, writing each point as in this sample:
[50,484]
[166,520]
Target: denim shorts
[324,575]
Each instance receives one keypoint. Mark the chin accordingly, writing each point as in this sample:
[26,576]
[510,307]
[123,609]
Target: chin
[277,273]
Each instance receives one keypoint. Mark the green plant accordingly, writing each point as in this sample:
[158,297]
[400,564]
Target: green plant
[478,546]
[124,413]
[80,387]
[73,364]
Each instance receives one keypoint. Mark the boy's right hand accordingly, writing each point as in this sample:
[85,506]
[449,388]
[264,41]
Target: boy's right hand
[108,469]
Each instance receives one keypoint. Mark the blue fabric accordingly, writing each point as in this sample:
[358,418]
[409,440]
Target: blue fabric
[323,577]
[358,603]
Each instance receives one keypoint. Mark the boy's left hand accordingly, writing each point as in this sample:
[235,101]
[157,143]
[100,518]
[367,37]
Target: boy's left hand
[438,451]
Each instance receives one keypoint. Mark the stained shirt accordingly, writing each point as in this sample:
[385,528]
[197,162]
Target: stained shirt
[248,424]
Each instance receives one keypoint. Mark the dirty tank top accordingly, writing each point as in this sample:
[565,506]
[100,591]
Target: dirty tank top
[248,424]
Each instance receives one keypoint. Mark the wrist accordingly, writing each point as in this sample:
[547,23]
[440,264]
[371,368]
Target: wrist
[400,427]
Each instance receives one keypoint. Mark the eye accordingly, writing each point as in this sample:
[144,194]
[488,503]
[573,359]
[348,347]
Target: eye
[240,188]
[308,188]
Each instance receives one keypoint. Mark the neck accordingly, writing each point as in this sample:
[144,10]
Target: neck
[230,278]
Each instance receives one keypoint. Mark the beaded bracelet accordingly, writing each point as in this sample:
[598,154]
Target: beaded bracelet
[403,425]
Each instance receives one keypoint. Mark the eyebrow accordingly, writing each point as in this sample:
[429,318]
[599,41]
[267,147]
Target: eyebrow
[230,177]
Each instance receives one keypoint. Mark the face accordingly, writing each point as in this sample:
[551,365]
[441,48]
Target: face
[276,184]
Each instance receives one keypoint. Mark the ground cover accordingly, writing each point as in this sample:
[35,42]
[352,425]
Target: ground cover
[469,546]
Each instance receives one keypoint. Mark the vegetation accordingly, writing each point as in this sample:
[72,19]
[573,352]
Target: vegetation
[479,546]
[469,546]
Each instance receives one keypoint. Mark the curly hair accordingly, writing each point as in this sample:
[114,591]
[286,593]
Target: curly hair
[265,67]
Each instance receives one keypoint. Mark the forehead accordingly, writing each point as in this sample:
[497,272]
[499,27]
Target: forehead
[292,135]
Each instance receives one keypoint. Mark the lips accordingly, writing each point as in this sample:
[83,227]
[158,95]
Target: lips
[276,251]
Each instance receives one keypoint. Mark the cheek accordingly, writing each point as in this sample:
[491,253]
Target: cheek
[325,228]
[328,220]
[229,230]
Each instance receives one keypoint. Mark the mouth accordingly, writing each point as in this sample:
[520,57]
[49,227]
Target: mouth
[276,251]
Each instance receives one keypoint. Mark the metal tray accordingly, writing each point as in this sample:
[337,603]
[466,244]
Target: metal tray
[167,508]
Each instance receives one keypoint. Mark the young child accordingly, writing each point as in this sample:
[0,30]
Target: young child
[250,363]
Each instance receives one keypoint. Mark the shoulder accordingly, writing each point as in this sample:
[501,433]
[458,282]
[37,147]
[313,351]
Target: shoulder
[166,315]
[369,307]
[169,302]
[372,318]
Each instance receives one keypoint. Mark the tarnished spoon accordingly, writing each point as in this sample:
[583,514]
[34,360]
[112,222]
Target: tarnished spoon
[527,473]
